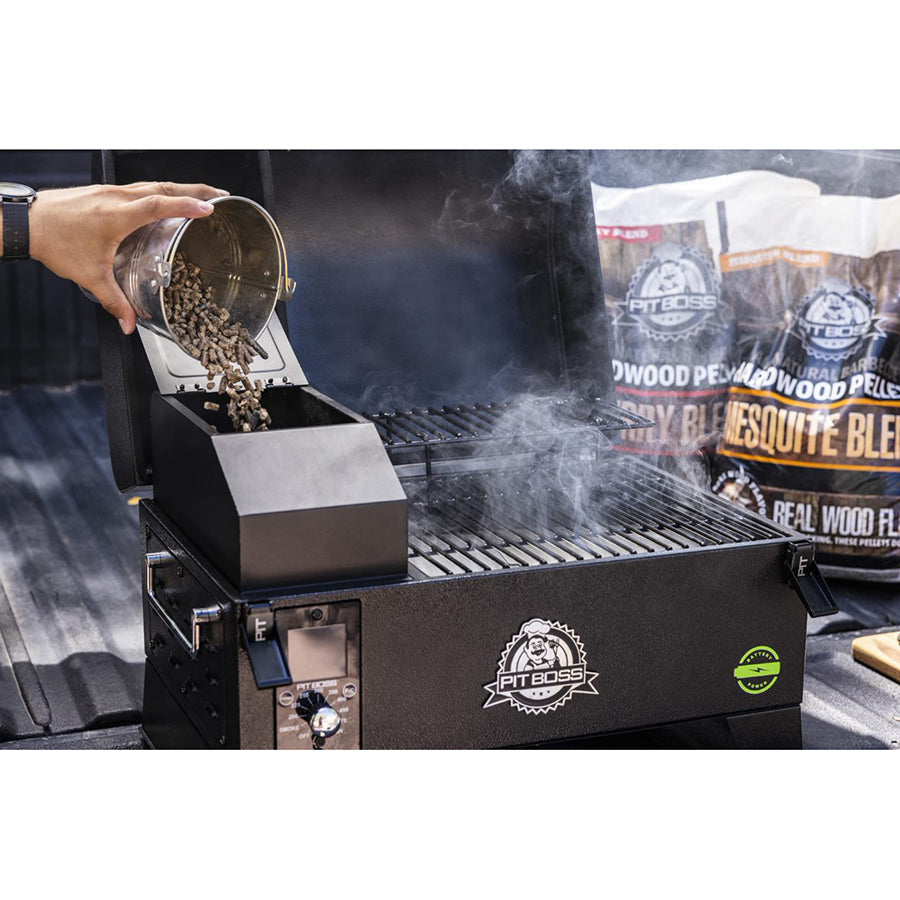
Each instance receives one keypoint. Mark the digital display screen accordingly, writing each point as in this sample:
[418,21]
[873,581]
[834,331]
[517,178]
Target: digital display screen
[315,654]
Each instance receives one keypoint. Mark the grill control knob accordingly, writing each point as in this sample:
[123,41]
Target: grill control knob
[324,721]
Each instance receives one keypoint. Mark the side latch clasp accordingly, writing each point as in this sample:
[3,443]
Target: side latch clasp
[808,581]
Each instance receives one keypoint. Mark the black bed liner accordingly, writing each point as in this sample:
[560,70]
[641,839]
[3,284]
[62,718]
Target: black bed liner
[71,646]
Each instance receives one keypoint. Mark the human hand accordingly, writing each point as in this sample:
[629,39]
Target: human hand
[75,232]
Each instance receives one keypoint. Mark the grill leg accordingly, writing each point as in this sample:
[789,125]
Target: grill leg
[771,729]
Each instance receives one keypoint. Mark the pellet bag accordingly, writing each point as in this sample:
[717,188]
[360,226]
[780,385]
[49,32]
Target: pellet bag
[671,329]
[811,437]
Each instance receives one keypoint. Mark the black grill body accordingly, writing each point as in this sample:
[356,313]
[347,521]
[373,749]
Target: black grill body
[664,633]
[461,571]
[682,606]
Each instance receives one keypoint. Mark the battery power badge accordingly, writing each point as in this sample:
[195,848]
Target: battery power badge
[758,670]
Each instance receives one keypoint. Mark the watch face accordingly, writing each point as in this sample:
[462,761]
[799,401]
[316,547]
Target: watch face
[12,190]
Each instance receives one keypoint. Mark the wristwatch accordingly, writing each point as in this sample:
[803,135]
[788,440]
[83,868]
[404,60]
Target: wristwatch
[15,201]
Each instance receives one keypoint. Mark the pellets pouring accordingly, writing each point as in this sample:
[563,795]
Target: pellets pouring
[227,349]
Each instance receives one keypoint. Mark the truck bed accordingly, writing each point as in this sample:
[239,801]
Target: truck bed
[71,645]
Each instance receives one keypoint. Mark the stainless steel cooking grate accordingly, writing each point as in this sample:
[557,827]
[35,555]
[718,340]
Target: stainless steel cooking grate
[465,524]
[422,434]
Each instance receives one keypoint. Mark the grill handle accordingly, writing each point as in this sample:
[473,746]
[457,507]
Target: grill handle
[198,616]
[808,581]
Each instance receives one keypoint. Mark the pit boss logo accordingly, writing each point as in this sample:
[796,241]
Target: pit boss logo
[835,319]
[758,670]
[673,295]
[540,669]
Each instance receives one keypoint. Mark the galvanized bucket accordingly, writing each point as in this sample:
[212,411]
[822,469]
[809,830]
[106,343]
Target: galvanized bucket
[239,250]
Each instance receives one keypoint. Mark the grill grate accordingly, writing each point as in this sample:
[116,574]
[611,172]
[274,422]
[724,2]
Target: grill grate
[465,524]
[424,435]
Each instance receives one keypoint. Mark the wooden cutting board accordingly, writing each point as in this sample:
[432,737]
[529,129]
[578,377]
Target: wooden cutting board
[880,652]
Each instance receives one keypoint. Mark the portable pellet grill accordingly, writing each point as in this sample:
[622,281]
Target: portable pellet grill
[469,574]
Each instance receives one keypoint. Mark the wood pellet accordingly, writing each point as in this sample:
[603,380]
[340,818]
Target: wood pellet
[224,348]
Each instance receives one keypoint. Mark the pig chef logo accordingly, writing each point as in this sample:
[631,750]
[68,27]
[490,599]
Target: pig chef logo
[835,319]
[673,295]
[542,666]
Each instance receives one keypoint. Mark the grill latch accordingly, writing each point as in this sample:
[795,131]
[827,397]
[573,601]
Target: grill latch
[266,658]
[807,580]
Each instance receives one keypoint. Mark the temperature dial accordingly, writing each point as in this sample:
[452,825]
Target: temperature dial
[324,721]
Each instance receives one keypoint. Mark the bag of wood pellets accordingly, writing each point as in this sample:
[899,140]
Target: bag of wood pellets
[671,331]
[812,428]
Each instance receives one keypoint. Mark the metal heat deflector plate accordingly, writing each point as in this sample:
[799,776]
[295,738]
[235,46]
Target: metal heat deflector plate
[175,371]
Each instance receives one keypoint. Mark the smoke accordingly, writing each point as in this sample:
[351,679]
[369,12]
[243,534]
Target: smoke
[534,178]
[549,469]
[550,190]
[543,200]
[544,473]
[386,391]
[539,177]
[557,432]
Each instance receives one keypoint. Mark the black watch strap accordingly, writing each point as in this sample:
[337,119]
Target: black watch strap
[15,230]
